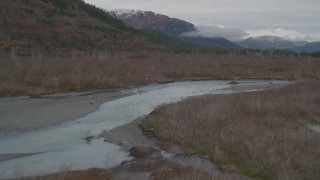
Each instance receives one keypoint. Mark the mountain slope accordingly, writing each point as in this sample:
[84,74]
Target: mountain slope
[215,42]
[266,42]
[311,47]
[147,20]
[65,24]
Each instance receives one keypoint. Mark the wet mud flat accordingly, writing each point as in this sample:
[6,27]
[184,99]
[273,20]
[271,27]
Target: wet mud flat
[23,114]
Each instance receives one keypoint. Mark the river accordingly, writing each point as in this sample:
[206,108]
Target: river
[64,145]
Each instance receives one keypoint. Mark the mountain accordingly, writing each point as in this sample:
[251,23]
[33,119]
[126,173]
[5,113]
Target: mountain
[147,20]
[310,47]
[66,24]
[215,42]
[273,42]
[301,43]
[266,42]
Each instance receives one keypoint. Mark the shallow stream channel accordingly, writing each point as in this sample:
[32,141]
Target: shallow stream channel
[54,133]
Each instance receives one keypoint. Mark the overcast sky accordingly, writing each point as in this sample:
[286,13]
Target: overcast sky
[291,19]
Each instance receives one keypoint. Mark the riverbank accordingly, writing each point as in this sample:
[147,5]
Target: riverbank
[47,75]
[260,134]
[73,136]
[23,114]
[29,113]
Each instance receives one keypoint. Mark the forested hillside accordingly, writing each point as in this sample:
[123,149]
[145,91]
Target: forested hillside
[65,24]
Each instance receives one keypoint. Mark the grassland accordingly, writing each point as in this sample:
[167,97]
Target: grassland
[38,73]
[181,173]
[96,174]
[263,134]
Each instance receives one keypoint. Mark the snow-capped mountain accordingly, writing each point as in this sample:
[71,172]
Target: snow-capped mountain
[148,20]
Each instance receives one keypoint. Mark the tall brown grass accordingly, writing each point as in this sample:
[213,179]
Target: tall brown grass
[96,174]
[179,173]
[263,134]
[74,71]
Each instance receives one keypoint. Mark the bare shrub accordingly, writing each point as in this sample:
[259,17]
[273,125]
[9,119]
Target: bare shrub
[180,173]
[263,133]
[97,174]
[81,71]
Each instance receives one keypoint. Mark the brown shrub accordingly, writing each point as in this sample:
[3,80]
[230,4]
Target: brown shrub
[263,133]
[180,173]
[80,71]
[96,174]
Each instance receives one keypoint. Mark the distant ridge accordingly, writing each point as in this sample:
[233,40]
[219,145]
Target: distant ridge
[215,42]
[310,47]
[266,42]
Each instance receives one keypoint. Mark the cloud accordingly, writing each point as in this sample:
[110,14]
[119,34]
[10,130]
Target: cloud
[235,34]
[283,33]
[217,31]
[298,15]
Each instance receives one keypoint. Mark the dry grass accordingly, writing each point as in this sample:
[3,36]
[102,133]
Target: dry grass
[179,173]
[75,71]
[263,133]
[96,174]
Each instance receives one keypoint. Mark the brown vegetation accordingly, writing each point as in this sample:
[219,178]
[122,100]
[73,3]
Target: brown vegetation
[185,173]
[96,174]
[76,71]
[264,134]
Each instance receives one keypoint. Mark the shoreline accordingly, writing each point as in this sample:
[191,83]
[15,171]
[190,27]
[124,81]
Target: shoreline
[23,114]
[130,134]
[148,150]
[126,136]
[26,113]
[137,85]
[20,115]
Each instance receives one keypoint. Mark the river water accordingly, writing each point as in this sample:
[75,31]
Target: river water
[64,147]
